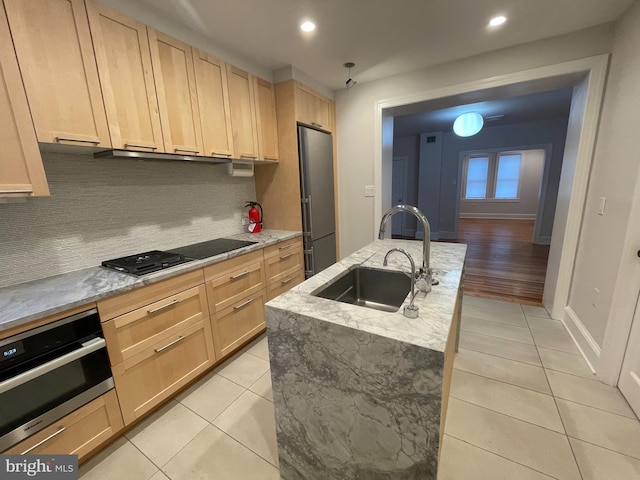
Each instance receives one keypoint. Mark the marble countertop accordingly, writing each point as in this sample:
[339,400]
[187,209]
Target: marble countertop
[429,330]
[25,302]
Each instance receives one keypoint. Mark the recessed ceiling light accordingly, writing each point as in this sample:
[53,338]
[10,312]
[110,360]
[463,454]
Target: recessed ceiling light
[499,20]
[308,26]
[468,124]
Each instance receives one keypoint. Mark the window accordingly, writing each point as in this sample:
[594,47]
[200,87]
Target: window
[492,176]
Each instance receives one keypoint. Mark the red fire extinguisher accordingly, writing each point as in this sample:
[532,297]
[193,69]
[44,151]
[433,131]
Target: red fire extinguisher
[255,217]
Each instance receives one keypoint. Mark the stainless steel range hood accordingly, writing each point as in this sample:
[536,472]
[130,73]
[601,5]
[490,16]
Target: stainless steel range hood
[137,155]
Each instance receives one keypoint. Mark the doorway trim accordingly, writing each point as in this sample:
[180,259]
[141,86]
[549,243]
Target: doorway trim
[592,70]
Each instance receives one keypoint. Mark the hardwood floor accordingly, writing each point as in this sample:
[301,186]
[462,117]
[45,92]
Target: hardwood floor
[502,263]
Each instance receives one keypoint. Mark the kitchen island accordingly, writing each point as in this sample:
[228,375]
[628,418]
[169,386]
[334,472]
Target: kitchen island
[359,393]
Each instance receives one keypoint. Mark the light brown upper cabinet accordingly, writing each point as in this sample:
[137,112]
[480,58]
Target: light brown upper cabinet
[267,122]
[213,99]
[313,108]
[243,113]
[21,171]
[55,55]
[175,81]
[124,65]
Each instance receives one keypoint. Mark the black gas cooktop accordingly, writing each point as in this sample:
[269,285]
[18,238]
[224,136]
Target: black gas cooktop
[148,262]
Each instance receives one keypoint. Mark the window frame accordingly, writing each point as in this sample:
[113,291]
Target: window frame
[492,177]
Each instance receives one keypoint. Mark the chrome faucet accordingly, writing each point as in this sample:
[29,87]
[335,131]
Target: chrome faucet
[410,311]
[425,275]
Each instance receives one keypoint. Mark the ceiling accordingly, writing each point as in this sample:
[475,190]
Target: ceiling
[520,109]
[382,37]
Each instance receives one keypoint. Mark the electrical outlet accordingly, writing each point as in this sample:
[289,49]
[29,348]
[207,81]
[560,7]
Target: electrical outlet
[245,220]
[594,299]
[603,202]
[369,191]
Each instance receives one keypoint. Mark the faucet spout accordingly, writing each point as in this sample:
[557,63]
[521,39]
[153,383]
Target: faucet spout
[426,245]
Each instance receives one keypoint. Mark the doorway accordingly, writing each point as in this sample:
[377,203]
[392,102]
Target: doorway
[587,77]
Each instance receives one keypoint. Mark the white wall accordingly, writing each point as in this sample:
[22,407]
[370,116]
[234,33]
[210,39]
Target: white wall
[103,209]
[355,109]
[526,206]
[606,257]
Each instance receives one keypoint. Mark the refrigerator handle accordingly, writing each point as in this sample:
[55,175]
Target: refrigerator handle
[305,223]
[307,220]
[311,271]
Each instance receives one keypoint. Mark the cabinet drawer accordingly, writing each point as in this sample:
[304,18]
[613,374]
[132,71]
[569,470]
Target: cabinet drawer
[227,289]
[278,266]
[120,304]
[289,280]
[146,379]
[235,325]
[282,247]
[79,432]
[131,333]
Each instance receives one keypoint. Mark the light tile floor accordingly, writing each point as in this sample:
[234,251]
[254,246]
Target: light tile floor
[523,406]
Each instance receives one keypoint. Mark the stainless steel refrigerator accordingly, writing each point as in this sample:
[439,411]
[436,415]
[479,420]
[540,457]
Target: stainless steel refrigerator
[315,150]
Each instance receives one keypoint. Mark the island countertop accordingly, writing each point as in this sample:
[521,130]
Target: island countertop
[429,330]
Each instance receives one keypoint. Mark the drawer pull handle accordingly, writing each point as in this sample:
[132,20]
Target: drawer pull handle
[243,304]
[316,124]
[250,157]
[41,442]
[286,247]
[170,304]
[188,150]
[273,159]
[284,257]
[220,154]
[240,275]
[16,191]
[177,340]
[79,140]
[138,145]
[284,282]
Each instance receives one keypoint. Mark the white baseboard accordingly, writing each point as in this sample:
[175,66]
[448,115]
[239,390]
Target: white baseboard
[500,216]
[588,347]
[447,236]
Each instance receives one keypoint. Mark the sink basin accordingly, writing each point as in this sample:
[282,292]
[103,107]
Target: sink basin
[383,290]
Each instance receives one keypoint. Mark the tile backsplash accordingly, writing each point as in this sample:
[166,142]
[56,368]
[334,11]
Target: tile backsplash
[102,209]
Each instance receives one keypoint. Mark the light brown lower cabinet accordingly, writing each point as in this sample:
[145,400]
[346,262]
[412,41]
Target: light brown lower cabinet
[153,375]
[234,325]
[290,279]
[79,432]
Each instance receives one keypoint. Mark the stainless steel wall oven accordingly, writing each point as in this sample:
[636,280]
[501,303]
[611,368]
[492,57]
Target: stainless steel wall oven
[48,372]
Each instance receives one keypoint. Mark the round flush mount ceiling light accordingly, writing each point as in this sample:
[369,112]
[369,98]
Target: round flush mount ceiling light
[468,124]
[307,26]
[499,20]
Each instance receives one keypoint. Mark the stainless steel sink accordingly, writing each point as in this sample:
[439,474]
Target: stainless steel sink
[383,290]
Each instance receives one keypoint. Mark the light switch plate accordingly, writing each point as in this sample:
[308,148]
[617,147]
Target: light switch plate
[369,191]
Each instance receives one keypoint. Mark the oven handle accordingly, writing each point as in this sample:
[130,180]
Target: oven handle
[87,348]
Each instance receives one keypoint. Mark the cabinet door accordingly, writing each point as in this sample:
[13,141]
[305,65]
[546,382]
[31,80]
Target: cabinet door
[239,323]
[213,100]
[267,123]
[175,80]
[124,65]
[312,108]
[133,332]
[243,113]
[21,170]
[79,432]
[148,378]
[55,54]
